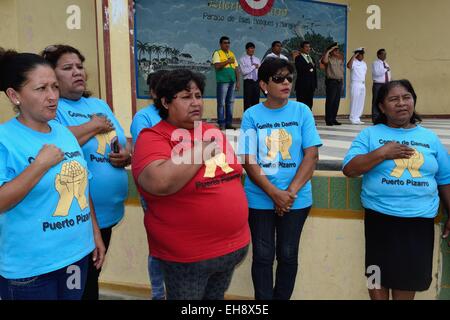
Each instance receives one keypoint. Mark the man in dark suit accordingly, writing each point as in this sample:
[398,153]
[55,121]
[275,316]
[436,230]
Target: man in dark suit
[306,82]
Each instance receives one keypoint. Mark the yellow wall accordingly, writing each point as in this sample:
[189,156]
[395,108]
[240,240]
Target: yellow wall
[414,34]
[8,39]
[30,26]
[331,258]
[120,62]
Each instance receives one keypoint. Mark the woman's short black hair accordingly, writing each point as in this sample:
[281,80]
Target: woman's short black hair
[54,52]
[271,66]
[383,93]
[174,82]
[154,78]
[14,68]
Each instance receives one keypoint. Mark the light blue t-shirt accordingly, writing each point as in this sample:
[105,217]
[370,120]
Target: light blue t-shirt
[404,187]
[109,185]
[144,118]
[50,228]
[277,137]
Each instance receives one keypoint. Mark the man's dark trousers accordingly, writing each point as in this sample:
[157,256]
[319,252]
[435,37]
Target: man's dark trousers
[375,88]
[333,89]
[251,93]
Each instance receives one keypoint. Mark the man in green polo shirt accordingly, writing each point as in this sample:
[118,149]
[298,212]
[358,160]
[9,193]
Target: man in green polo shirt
[227,78]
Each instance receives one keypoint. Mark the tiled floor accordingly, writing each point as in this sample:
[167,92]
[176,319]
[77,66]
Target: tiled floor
[337,139]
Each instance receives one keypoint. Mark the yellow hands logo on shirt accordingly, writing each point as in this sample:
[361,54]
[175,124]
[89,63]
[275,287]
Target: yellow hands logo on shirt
[71,183]
[413,165]
[103,139]
[279,141]
[212,164]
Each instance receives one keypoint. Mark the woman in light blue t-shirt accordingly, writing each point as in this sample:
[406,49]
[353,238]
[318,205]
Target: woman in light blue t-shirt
[48,227]
[102,139]
[403,165]
[279,142]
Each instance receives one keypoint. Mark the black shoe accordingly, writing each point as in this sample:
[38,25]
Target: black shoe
[229,126]
[329,123]
[336,123]
[221,126]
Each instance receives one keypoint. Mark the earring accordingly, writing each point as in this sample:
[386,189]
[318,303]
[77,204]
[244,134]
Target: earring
[17,102]
[265,92]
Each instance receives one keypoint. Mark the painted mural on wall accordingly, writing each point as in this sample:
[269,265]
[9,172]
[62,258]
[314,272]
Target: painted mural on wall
[172,34]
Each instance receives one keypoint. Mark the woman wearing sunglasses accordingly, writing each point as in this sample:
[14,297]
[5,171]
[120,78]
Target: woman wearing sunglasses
[279,142]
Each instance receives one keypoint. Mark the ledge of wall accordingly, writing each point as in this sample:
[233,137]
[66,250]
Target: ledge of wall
[331,258]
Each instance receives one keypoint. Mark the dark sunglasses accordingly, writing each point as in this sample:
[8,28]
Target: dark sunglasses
[280,79]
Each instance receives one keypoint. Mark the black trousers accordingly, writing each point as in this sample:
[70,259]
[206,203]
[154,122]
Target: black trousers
[91,288]
[333,90]
[275,237]
[305,96]
[375,88]
[251,93]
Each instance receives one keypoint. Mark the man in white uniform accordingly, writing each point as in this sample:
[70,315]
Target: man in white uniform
[381,74]
[358,85]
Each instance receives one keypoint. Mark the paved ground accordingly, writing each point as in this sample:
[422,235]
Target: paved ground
[118,295]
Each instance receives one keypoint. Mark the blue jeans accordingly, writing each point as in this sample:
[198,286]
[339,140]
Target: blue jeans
[156,278]
[64,284]
[225,99]
[266,226]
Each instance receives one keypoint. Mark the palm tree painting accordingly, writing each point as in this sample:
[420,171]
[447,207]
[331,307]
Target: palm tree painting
[167,51]
[142,48]
[157,50]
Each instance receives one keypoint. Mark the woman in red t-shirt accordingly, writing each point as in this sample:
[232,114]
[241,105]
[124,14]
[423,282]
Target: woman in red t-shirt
[187,172]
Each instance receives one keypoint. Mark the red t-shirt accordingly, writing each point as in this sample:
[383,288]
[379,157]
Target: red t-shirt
[205,219]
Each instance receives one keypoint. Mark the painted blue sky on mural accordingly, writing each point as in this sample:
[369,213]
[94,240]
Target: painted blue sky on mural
[185,33]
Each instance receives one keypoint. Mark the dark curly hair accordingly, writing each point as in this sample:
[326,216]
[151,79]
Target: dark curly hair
[174,82]
[153,80]
[54,52]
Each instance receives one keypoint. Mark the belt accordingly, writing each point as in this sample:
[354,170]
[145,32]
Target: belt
[334,79]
